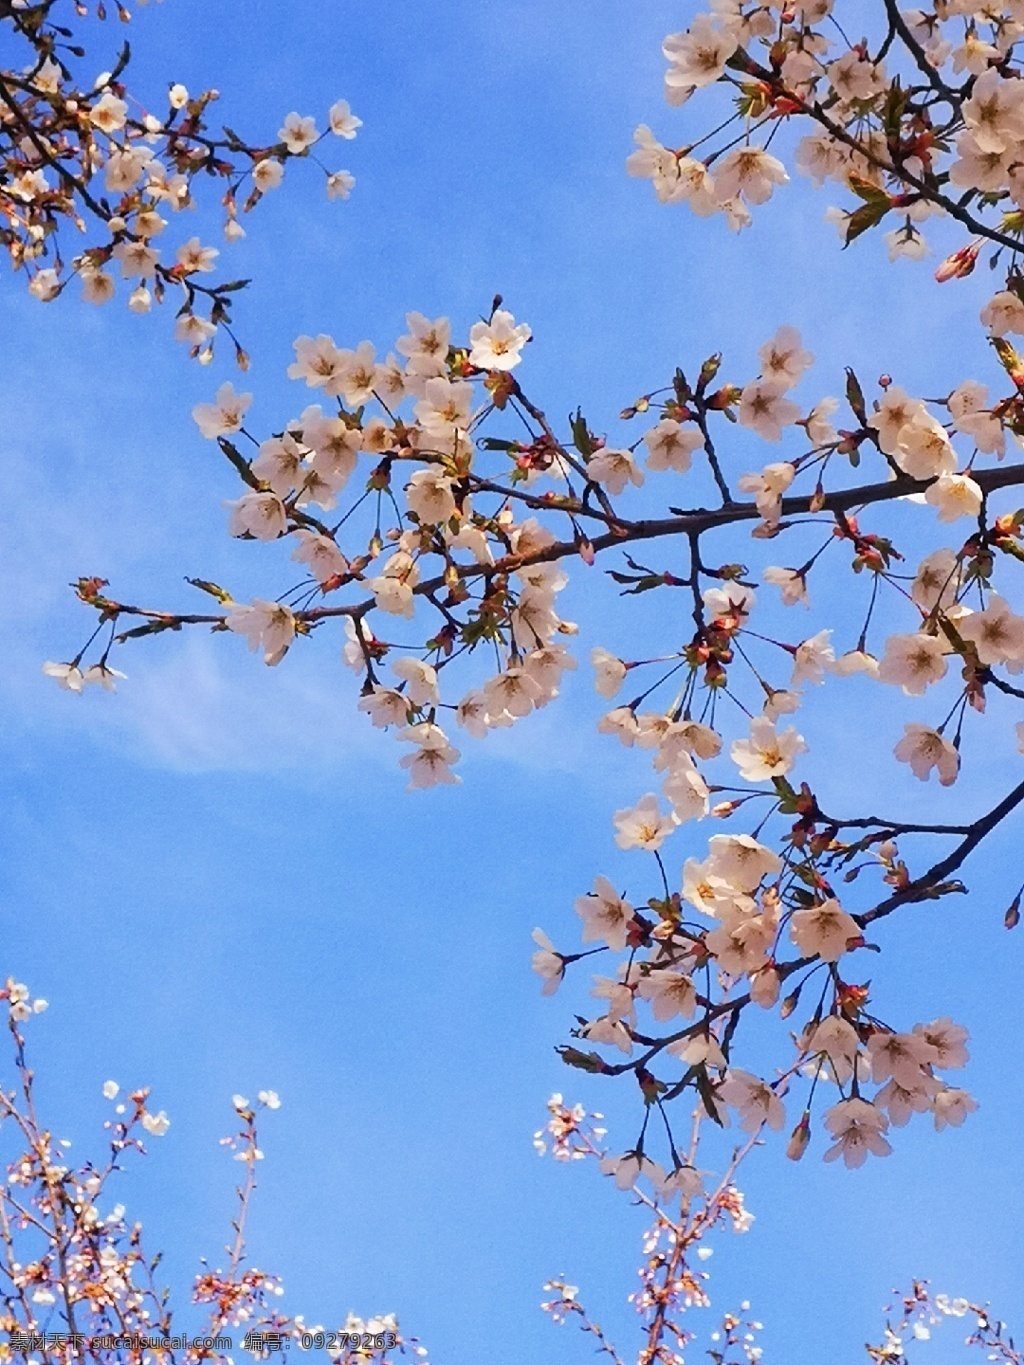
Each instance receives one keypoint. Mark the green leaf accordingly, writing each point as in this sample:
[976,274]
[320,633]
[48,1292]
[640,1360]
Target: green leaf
[583,1061]
[581,437]
[204,585]
[855,397]
[868,191]
[864,218]
[707,1095]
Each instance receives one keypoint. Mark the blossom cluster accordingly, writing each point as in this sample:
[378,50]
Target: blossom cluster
[437,513]
[920,1312]
[410,517]
[82,154]
[73,1263]
[685,1212]
[926,120]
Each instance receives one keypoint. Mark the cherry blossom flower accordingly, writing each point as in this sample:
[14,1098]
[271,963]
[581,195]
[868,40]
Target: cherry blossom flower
[614,469]
[854,78]
[901,1103]
[420,680]
[766,754]
[653,161]
[67,676]
[974,55]
[742,941]
[857,1127]
[622,723]
[429,495]
[903,1056]
[936,581]
[137,260]
[791,584]
[605,914]
[357,375]
[670,994]
[156,1124]
[913,662]
[109,114]
[385,707]
[923,449]
[426,344]
[995,113]
[342,120]
[609,672]
[643,825]
[471,714]
[224,415]
[783,359]
[269,626]
[610,1031]
[102,674]
[279,464]
[698,56]
[740,861]
[45,285]
[951,1107]
[260,515]
[752,172]
[765,409]
[686,792]
[838,1039]
[948,1040]
[734,600]
[768,487]
[193,257]
[393,588]
[855,661]
[444,406]
[924,749]
[710,894]
[626,1170]
[298,133]
[513,691]
[429,765]
[823,931]
[896,410]
[1004,313]
[671,446]
[497,345]
[267,174]
[811,659]
[702,1049]
[969,408]
[996,633]
[955,495]
[321,554]
[781,702]
[340,184]
[755,1100]
[547,963]
[687,737]
[318,361]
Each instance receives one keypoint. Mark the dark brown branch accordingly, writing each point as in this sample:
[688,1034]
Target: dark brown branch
[931,75]
[919,887]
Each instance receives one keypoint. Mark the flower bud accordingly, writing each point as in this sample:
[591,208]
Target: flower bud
[800,1137]
[959,264]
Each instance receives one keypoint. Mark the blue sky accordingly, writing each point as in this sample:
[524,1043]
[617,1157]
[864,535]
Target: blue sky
[218,879]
